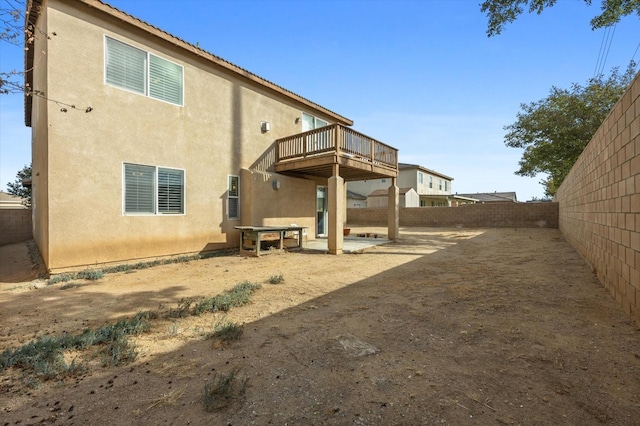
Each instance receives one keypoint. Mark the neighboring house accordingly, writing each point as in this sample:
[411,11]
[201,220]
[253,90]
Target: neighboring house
[355,200]
[169,147]
[492,197]
[10,201]
[433,188]
[380,198]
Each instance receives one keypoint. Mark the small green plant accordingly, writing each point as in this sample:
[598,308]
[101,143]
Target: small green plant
[60,278]
[276,279]
[70,285]
[174,329]
[87,274]
[183,309]
[239,295]
[44,357]
[221,391]
[119,351]
[227,331]
[90,274]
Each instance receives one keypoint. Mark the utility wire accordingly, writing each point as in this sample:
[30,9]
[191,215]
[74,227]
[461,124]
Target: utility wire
[605,47]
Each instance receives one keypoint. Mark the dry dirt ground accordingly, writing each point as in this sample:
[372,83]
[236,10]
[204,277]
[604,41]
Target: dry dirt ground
[443,326]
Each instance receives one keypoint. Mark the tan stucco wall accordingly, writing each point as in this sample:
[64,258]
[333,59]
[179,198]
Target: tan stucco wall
[39,139]
[286,202]
[215,134]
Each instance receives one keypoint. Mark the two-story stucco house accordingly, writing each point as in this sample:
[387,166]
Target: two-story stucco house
[145,145]
[433,188]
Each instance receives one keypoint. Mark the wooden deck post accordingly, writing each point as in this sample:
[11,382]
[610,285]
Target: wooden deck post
[335,238]
[394,211]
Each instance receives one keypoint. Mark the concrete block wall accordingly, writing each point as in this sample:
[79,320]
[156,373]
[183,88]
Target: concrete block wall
[492,215]
[600,202]
[15,226]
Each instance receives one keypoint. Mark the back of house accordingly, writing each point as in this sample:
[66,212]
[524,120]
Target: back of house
[145,145]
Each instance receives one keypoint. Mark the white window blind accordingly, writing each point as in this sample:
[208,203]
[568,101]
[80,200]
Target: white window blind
[126,66]
[153,190]
[134,69]
[165,80]
[139,188]
[233,204]
[170,191]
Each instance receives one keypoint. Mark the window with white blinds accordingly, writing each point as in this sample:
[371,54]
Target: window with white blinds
[153,190]
[133,69]
[139,188]
[170,191]
[233,198]
[125,66]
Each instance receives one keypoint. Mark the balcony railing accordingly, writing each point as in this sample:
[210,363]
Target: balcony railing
[342,141]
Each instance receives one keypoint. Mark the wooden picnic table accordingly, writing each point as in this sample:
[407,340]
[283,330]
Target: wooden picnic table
[252,236]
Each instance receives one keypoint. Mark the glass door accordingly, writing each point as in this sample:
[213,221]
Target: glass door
[322,213]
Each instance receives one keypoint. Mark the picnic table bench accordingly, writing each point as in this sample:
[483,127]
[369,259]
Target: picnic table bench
[253,238]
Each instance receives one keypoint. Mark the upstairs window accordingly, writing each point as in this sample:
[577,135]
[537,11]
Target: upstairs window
[420,178]
[141,72]
[430,181]
[153,190]
[309,122]
[440,184]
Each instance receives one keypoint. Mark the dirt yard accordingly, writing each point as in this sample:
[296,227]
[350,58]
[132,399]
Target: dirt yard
[444,326]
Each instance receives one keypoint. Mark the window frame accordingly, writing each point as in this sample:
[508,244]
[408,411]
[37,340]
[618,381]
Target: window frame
[156,191]
[317,122]
[233,197]
[147,72]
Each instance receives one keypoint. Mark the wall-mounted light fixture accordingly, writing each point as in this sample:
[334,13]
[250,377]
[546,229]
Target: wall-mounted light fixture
[297,120]
[265,126]
[275,184]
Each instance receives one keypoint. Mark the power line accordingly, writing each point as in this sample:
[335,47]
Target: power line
[605,47]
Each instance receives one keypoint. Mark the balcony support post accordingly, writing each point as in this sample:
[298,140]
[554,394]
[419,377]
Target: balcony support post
[394,211]
[336,200]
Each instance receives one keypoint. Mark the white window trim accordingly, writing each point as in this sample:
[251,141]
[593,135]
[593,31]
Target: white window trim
[155,195]
[233,196]
[147,79]
[316,120]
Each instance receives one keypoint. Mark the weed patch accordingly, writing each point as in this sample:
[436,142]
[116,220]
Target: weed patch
[239,295]
[70,285]
[221,392]
[276,279]
[44,357]
[227,332]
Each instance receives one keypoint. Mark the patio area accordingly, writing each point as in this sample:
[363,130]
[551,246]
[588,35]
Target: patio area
[351,244]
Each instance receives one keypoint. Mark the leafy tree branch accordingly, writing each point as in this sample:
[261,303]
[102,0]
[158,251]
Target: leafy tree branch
[18,189]
[555,130]
[502,12]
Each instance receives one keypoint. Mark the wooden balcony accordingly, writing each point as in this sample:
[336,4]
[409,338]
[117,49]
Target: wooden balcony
[314,154]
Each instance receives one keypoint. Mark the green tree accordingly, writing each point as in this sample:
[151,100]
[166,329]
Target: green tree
[554,131]
[16,188]
[502,12]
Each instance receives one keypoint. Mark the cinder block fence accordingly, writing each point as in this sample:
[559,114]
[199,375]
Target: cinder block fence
[493,215]
[600,202]
[15,226]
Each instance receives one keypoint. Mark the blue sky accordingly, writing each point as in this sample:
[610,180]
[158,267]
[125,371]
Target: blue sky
[420,75]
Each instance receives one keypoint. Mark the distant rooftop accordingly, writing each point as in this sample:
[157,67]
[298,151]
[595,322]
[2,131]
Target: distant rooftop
[407,166]
[492,197]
